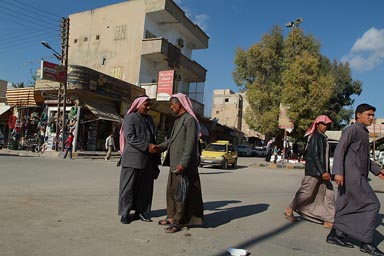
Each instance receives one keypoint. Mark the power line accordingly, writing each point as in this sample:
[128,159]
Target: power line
[23,40]
[22,18]
[33,7]
[29,11]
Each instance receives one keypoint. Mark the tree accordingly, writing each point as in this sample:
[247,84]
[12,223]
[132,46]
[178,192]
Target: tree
[294,73]
[258,70]
[18,85]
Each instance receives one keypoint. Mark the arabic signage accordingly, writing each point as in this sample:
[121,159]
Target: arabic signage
[165,85]
[53,72]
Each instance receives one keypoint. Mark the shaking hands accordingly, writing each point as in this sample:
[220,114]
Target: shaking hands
[153,149]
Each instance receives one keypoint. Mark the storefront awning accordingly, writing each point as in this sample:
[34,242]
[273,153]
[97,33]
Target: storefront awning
[104,112]
[4,108]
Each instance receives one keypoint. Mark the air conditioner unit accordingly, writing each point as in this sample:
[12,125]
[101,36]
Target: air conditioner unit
[180,42]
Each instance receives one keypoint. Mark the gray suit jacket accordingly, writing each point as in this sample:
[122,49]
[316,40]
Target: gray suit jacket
[182,145]
[137,139]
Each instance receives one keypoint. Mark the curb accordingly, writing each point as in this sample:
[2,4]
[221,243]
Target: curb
[279,165]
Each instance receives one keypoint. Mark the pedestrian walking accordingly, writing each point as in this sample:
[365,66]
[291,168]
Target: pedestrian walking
[68,146]
[357,206]
[315,199]
[109,146]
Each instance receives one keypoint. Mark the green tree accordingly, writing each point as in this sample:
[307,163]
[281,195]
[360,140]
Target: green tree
[258,71]
[344,88]
[18,85]
[279,70]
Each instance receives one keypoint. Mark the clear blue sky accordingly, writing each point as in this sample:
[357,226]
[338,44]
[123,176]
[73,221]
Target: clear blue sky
[350,30]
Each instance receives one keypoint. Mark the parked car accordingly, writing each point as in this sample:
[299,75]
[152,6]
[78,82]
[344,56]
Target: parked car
[244,150]
[261,151]
[219,153]
[380,158]
[1,140]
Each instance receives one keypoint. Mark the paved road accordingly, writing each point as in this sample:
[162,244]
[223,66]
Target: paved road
[50,206]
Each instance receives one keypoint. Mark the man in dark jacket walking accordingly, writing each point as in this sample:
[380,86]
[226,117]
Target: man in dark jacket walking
[315,199]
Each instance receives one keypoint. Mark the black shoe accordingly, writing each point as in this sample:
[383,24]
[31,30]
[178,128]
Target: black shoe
[371,249]
[142,217]
[125,219]
[334,239]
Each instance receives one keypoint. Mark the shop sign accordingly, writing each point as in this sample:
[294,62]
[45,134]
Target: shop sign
[53,72]
[165,85]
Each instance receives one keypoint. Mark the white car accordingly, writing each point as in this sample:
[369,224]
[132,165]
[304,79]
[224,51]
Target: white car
[244,150]
[261,151]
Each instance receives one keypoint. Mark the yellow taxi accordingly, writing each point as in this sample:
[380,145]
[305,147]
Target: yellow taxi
[219,153]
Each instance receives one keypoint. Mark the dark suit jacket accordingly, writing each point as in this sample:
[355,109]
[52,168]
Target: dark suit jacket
[182,145]
[137,140]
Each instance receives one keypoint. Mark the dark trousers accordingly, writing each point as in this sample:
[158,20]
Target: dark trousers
[136,190]
[69,149]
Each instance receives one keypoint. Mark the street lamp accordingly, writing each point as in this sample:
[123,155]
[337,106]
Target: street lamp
[293,25]
[56,54]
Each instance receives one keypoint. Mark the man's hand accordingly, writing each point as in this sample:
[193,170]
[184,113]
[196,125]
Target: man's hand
[153,148]
[180,168]
[339,179]
[381,174]
[326,176]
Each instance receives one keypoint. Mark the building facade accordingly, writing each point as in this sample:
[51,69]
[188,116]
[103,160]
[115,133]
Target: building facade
[134,40]
[227,108]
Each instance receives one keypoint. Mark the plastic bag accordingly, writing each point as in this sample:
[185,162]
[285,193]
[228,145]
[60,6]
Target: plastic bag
[182,188]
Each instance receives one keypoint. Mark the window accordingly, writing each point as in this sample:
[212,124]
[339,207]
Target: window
[226,100]
[217,112]
[120,32]
[75,41]
[97,37]
[117,72]
[85,39]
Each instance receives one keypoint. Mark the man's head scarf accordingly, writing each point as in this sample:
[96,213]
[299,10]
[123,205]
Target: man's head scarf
[134,107]
[320,119]
[186,103]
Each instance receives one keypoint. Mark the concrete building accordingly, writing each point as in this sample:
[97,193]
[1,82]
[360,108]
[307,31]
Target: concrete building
[227,108]
[134,40]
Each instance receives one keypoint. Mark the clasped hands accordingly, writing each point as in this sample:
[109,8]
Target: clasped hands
[153,149]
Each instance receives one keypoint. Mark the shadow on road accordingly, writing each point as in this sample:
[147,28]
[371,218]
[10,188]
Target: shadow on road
[223,216]
[251,242]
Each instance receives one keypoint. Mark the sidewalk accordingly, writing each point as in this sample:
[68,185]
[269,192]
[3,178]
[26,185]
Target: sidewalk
[78,154]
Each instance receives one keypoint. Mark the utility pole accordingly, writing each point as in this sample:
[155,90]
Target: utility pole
[62,92]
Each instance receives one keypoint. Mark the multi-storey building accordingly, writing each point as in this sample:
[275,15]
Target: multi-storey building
[134,40]
[228,109]
[116,53]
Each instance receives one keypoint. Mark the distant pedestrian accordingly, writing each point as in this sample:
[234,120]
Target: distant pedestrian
[315,199]
[357,206]
[109,146]
[269,147]
[68,146]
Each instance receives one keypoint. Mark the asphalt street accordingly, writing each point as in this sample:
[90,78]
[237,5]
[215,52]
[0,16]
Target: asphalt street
[51,206]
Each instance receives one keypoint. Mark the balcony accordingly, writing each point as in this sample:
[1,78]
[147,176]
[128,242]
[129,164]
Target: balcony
[159,50]
[170,16]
